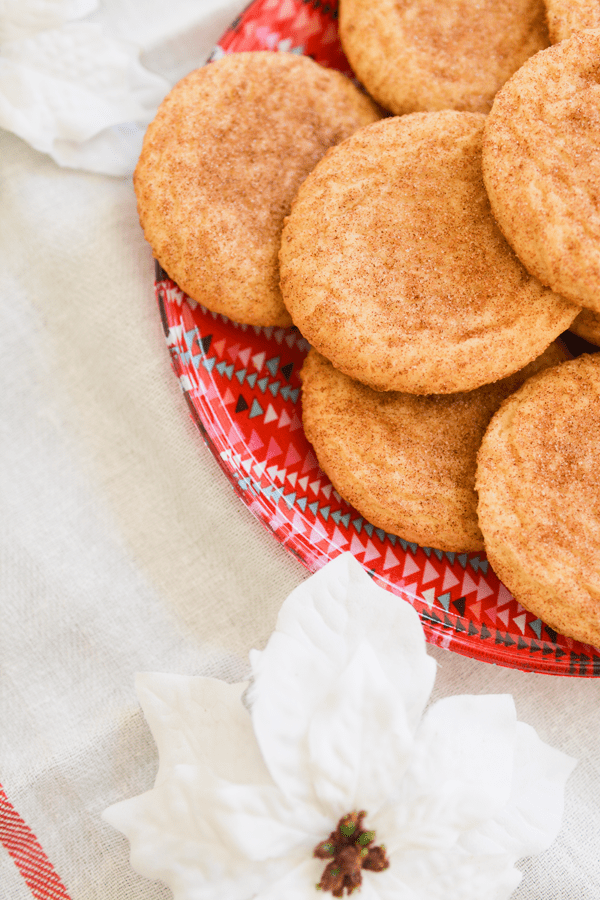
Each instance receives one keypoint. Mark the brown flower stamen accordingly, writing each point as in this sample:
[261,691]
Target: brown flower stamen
[349,850]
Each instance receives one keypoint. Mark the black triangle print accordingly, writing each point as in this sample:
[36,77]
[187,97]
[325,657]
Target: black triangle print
[535,648]
[205,343]
[459,626]
[551,633]
[522,645]
[508,641]
[485,632]
[448,623]
[287,370]
[546,649]
[499,639]
[472,630]
[596,666]
[560,652]
[460,605]
[241,405]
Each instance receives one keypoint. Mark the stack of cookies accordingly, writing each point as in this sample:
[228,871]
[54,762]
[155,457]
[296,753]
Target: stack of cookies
[431,257]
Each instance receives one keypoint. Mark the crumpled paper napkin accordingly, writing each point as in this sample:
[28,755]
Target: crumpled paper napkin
[80,80]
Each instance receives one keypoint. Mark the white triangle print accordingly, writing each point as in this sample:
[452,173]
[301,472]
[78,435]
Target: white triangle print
[327,490]
[272,472]
[428,596]
[284,420]
[430,573]
[298,524]
[371,552]
[292,478]
[247,464]
[270,414]
[338,539]
[244,356]
[391,560]
[258,361]
[228,398]
[468,585]
[303,483]
[504,595]
[259,468]
[410,566]
[483,589]
[450,580]
[356,547]
[504,616]
[318,533]
[277,520]
[314,486]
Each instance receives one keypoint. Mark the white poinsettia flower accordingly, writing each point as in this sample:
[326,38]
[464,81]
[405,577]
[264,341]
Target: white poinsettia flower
[327,773]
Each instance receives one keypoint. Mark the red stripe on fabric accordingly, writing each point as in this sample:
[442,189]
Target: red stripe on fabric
[28,855]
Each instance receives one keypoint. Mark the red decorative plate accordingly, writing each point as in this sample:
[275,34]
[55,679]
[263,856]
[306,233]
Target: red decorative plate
[241,383]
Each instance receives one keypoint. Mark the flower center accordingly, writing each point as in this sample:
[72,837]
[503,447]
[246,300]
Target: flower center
[349,850]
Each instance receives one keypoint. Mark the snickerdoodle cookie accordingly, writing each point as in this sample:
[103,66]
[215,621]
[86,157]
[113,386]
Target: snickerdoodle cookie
[587,326]
[565,17]
[393,268]
[439,54]
[219,167]
[538,478]
[541,164]
[406,463]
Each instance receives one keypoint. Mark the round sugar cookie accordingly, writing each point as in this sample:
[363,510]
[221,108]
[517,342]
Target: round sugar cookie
[538,479]
[220,164]
[587,326]
[439,54]
[565,17]
[541,164]
[406,463]
[393,268]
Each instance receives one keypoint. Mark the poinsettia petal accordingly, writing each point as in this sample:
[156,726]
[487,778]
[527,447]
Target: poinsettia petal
[449,875]
[222,830]
[531,820]
[359,738]
[171,841]
[201,719]
[318,630]
[297,883]
[460,775]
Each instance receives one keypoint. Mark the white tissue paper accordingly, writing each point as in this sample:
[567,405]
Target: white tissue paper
[72,80]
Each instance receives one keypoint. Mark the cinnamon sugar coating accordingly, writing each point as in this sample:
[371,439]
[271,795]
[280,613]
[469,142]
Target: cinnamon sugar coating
[406,463]
[587,326]
[415,55]
[393,268]
[220,164]
[541,166]
[565,17]
[538,479]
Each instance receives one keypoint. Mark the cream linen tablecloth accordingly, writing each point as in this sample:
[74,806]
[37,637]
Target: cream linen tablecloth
[124,549]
